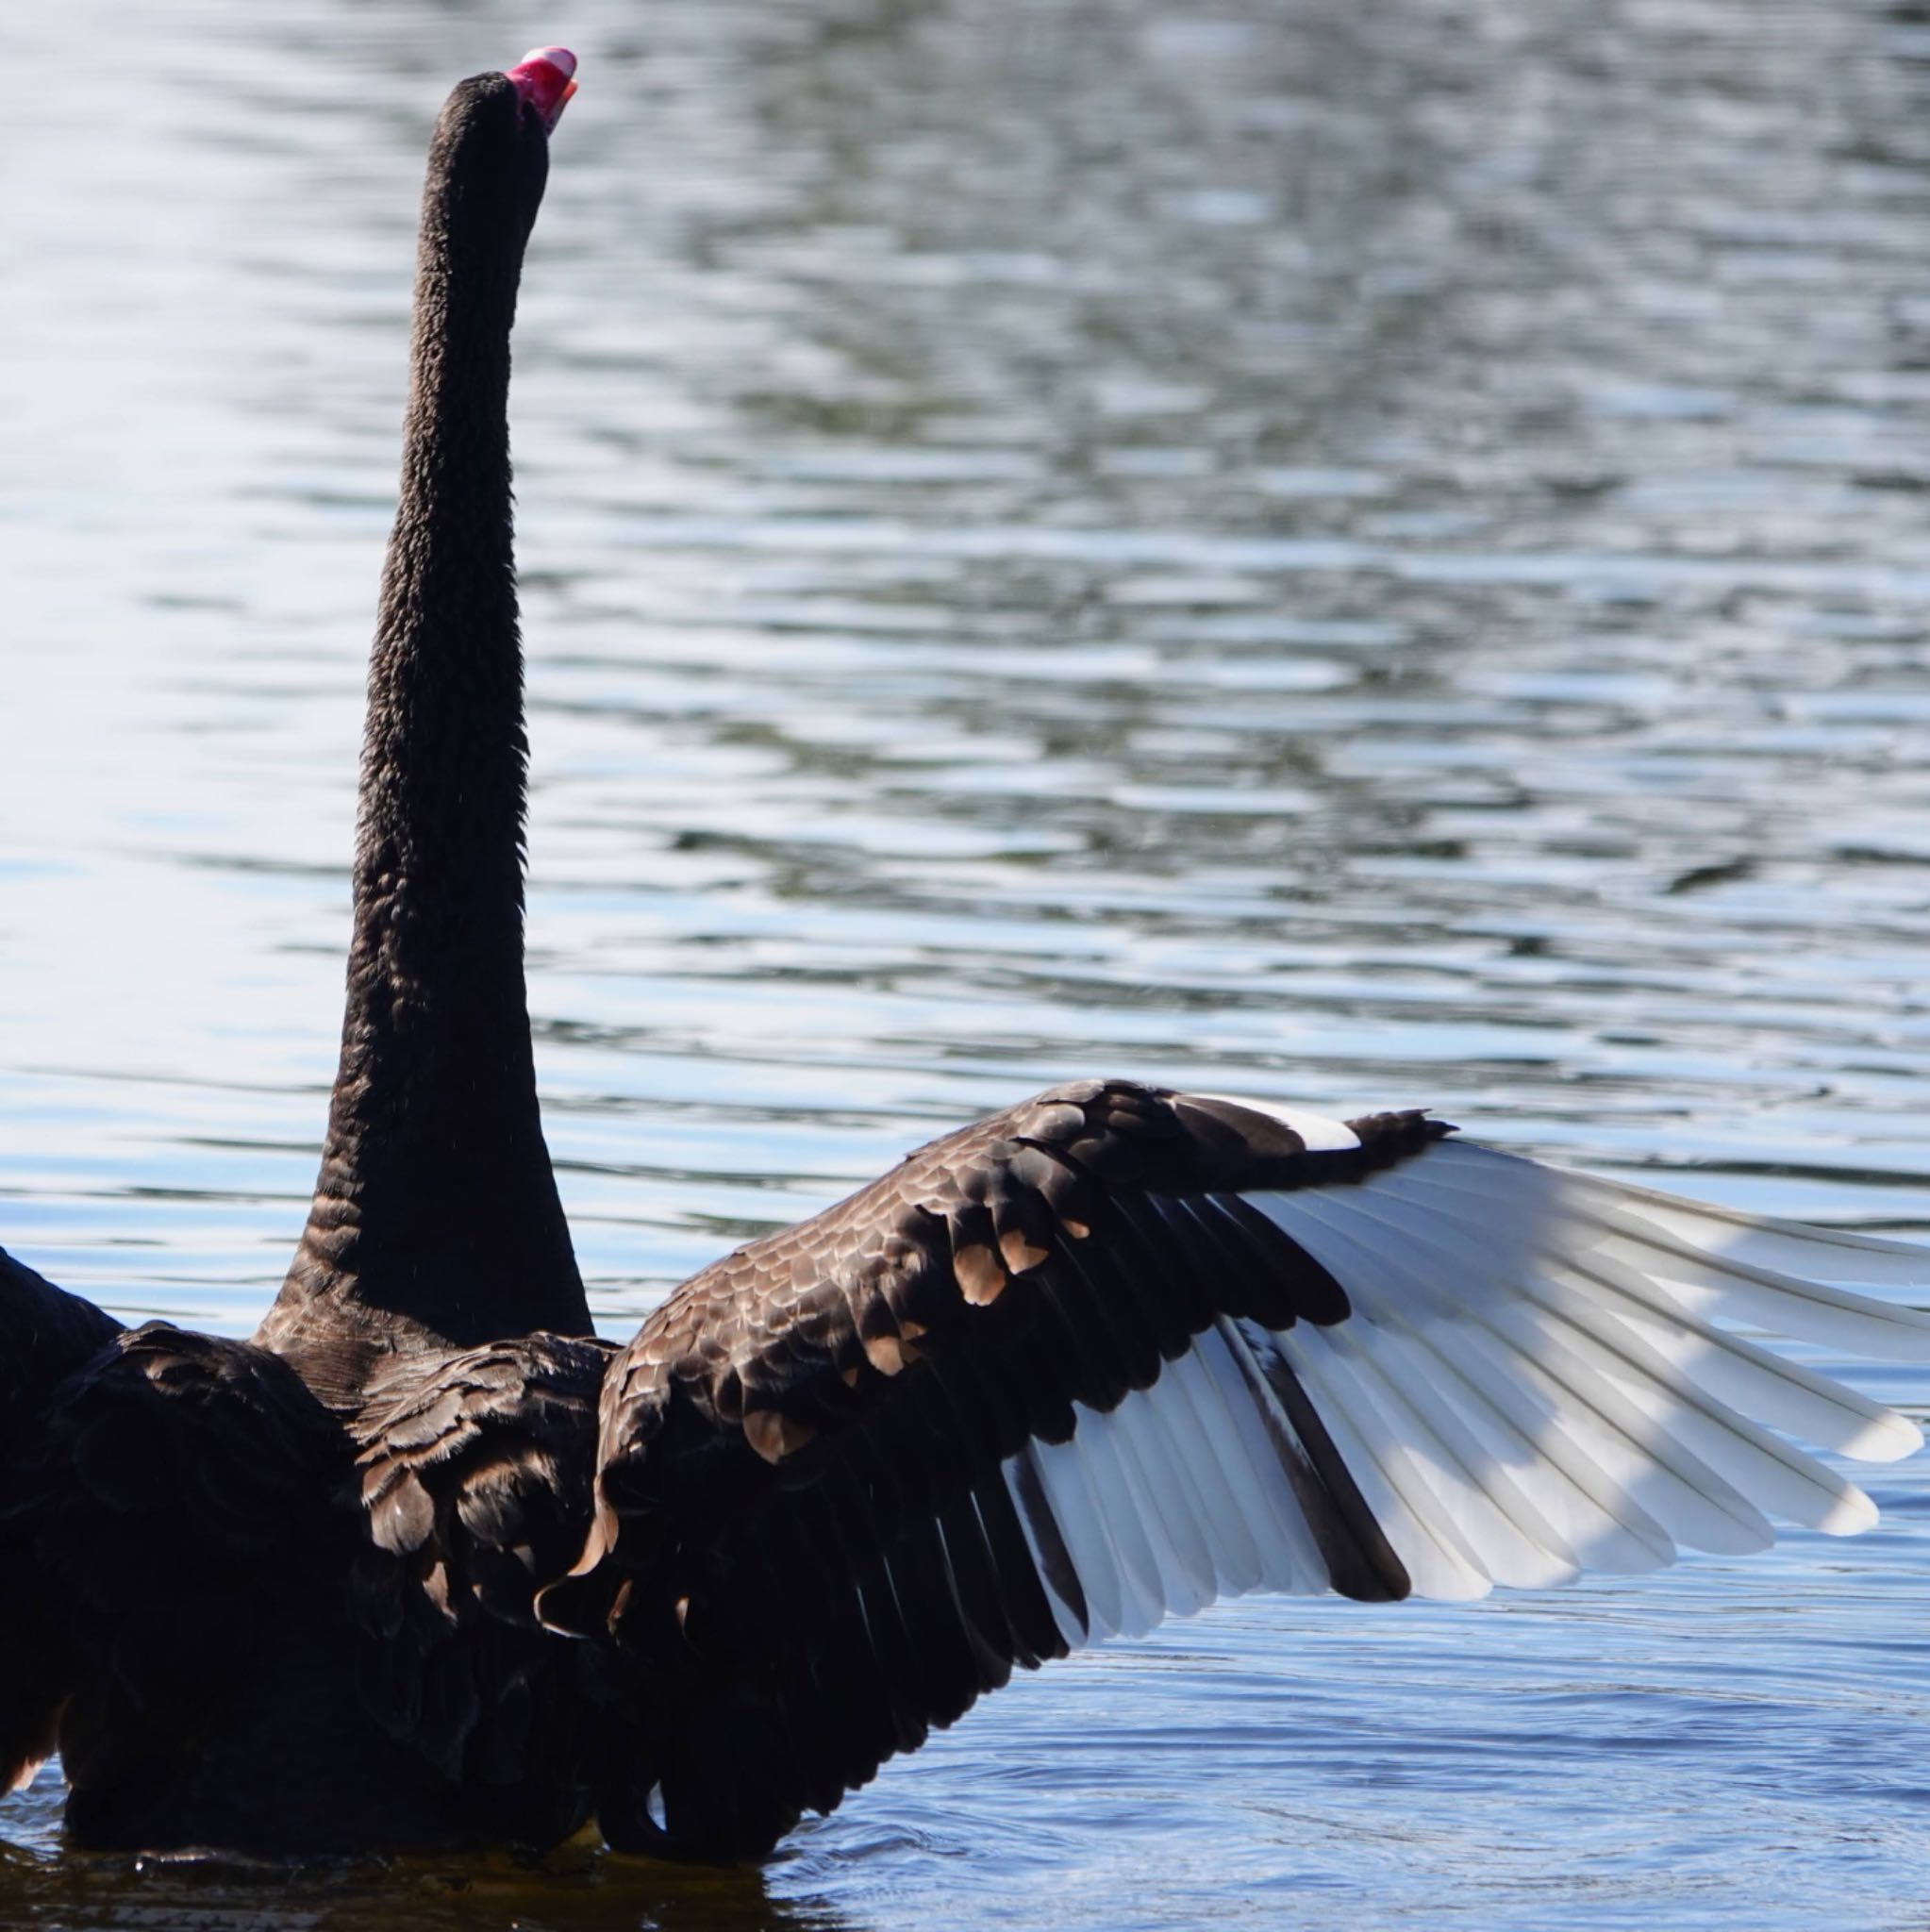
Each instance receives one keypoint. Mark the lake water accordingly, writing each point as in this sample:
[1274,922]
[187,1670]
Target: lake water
[1370,553]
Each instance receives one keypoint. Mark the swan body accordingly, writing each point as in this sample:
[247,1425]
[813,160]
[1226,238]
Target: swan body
[427,1562]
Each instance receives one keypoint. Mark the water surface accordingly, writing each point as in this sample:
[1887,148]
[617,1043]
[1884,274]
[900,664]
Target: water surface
[1371,554]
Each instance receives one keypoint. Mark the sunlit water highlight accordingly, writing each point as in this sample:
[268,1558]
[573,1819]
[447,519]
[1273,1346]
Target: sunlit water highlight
[1373,554]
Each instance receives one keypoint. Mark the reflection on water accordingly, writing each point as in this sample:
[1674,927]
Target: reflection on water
[577,1888]
[1373,554]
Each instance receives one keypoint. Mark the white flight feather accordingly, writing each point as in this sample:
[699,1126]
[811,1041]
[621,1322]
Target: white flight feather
[1533,1381]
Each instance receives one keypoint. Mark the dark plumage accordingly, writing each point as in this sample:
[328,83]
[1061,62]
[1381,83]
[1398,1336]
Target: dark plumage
[846,1393]
[45,1334]
[436,1220]
[197,1595]
[426,1563]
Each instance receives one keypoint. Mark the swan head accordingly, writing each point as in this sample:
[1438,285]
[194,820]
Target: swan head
[491,153]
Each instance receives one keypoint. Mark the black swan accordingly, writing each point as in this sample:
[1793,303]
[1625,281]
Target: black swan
[426,1563]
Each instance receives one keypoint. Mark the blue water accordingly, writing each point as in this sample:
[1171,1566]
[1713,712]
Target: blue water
[1375,554]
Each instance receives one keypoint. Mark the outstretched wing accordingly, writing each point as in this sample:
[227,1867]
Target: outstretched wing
[474,1472]
[166,1518]
[46,1336]
[1116,1352]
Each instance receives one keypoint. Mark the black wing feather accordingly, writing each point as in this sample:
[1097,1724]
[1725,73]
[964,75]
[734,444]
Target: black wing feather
[473,1471]
[171,1518]
[46,1336]
[804,1524]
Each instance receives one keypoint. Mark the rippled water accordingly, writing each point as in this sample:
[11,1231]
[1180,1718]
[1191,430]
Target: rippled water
[1369,553]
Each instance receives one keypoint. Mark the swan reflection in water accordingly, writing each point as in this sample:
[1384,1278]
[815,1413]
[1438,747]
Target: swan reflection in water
[576,1888]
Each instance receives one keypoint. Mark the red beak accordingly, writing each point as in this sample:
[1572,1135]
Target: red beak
[546,79]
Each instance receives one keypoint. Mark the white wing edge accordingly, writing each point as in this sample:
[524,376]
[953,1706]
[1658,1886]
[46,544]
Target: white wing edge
[1537,1379]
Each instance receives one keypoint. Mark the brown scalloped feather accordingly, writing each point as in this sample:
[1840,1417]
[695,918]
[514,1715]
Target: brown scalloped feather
[803,1447]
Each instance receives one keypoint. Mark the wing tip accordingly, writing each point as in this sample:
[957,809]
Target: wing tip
[1853,1514]
[1886,1438]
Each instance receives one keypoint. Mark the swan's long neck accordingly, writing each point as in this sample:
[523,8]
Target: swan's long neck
[436,1218]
